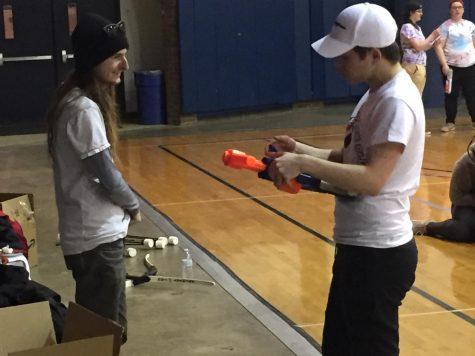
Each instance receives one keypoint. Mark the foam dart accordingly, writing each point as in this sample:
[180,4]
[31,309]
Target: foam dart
[130,252]
[172,240]
[240,160]
[161,243]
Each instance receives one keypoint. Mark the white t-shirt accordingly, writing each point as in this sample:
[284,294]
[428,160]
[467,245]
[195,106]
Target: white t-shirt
[393,113]
[459,50]
[87,217]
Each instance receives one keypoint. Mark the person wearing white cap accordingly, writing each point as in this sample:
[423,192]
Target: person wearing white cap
[381,159]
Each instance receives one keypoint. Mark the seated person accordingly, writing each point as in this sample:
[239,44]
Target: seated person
[461,227]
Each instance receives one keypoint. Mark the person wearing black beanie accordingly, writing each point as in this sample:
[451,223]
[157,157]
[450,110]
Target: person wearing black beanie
[95,39]
[95,204]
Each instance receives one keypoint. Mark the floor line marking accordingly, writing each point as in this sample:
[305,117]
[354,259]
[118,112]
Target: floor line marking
[432,205]
[402,316]
[227,199]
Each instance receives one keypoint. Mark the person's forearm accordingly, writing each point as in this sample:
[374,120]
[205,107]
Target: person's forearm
[325,154]
[102,167]
[440,56]
[422,45]
[355,178]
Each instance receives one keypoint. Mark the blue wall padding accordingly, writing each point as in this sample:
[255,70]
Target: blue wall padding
[247,54]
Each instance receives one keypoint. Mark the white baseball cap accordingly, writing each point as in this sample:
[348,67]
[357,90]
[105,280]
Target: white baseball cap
[363,25]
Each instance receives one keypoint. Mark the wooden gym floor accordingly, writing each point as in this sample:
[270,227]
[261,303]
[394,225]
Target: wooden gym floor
[280,245]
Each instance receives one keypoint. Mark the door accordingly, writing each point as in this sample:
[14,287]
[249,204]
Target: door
[35,46]
[27,70]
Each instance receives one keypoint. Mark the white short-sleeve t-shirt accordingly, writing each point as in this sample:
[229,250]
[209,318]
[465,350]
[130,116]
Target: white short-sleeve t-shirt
[459,49]
[393,113]
[87,217]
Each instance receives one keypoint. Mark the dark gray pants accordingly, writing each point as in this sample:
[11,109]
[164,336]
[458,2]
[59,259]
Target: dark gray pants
[100,281]
[460,228]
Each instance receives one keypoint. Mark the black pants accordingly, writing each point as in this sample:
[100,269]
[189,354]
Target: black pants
[460,228]
[463,79]
[100,281]
[367,288]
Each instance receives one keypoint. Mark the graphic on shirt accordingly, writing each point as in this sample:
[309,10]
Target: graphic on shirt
[459,42]
[353,136]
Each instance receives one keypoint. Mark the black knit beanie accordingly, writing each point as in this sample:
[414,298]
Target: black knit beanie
[95,39]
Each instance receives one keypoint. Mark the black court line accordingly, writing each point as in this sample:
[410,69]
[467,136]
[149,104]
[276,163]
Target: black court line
[446,306]
[436,170]
[296,138]
[415,289]
[260,202]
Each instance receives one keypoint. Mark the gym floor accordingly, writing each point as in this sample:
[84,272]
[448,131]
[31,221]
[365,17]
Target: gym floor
[247,312]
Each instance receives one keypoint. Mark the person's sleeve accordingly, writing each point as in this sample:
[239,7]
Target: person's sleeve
[87,133]
[444,31]
[408,31]
[395,121]
[101,166]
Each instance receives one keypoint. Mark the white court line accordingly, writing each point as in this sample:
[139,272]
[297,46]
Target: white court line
[432,205]
[436,312]
[228,199]
[403,316]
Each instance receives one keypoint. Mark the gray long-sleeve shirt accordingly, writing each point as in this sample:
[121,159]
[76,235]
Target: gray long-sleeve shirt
[103,168]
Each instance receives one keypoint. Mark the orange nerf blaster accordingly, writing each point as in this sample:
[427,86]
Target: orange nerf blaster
[240,160]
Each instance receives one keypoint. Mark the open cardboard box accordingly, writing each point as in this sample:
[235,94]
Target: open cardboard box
[27,330]
[20,207]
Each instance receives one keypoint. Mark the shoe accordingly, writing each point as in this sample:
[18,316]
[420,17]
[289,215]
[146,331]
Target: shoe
[419,227]
[450,126]
[428,133]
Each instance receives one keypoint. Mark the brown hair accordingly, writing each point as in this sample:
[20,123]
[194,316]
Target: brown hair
[452,1]
[391,53]
[103,96]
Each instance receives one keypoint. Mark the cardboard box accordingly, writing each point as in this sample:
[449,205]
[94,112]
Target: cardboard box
[27,330]
[20,207]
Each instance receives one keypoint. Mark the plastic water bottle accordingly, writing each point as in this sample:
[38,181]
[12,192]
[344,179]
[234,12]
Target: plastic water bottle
[187,265]
[448,82]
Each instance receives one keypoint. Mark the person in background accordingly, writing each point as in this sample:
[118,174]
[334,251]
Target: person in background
[380,160]
[456,51]
[95,204]
[461,227]
[414,45]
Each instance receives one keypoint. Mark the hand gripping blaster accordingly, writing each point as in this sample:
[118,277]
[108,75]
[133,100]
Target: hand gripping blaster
[240,160]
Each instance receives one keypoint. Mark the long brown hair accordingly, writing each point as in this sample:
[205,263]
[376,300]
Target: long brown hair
[103,95]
